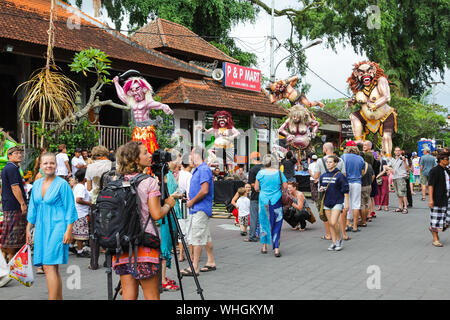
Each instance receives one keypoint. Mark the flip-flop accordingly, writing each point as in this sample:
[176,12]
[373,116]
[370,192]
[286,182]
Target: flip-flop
[437,244]
[325,238]
[188,273]
[208,268]
[348,238]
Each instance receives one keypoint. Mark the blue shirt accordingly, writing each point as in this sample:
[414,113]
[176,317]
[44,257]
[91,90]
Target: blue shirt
[11,177]
[270,185]
[428,162]
[200,175]
[354,165]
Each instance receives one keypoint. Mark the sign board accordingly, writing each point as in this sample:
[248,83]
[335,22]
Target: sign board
[240,77]
[346,129]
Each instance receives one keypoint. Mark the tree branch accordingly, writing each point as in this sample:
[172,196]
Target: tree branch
[289,12]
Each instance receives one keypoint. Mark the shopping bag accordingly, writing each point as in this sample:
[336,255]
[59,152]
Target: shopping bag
[21,267]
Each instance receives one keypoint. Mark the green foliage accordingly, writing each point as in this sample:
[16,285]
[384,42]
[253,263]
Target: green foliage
[83,135]
[415,121]
[164,131]
[92,61]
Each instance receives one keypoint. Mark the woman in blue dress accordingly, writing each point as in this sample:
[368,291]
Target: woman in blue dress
[52,211]
[269,181]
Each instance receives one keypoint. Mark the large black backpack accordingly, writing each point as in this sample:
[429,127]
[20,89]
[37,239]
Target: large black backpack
[117,218]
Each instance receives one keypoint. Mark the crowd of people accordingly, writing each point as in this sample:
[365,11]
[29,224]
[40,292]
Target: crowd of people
[52,211]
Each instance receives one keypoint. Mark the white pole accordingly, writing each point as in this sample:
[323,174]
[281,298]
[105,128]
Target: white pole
[272,44]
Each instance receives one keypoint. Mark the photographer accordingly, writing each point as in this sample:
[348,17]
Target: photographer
[133,158]
[399,166]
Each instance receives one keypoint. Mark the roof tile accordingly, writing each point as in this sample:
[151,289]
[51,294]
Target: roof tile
[164,34]
[28,21]
[214,95]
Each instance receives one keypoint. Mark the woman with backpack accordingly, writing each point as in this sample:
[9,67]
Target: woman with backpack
[133,158]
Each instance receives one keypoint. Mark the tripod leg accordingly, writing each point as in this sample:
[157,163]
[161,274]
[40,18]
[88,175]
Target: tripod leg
[118,287]
[174,246]
[188,258]
[109,274]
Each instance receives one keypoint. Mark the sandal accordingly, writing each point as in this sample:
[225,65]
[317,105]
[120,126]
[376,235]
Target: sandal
[40,270]
[398,210]
[208,268]
[325,237]
[188,273]
[346,239]
[170,287]
[437,244]
[172,282]
[386,209]
[405,211]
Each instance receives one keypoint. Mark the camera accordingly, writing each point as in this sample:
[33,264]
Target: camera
[160,159]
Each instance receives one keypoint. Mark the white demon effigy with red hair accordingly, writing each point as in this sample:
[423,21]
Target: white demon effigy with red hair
[370,87]
[137,94]
[224,134]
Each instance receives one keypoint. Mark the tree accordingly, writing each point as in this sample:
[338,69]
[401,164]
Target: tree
[408,38]
[91,61]
[210,19]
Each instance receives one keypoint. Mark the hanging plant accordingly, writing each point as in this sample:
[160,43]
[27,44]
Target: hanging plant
[48,90]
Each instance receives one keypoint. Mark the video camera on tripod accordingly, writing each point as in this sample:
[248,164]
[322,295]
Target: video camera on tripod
[160,167]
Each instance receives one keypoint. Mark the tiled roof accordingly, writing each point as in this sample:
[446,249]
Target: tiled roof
[164,35]
[28,21]
[209,94]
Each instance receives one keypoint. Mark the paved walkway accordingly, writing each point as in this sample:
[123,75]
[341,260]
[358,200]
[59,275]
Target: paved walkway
[390,259]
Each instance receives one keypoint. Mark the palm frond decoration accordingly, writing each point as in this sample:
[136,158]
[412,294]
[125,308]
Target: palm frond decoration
[49,89]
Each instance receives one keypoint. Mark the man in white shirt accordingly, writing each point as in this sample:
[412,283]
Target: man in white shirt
[313,183]
[184,181]
[62,162]
[77,162]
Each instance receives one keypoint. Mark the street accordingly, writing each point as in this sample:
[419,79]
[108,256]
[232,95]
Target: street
[390,259]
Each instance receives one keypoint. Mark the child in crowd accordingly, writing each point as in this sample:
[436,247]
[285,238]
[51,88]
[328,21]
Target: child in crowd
[80,230]
[243,206]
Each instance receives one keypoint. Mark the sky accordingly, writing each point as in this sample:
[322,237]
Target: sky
[335,67]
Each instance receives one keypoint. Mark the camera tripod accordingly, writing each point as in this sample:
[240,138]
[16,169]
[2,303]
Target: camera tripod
[170,216]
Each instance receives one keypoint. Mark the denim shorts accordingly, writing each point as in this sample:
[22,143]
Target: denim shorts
[338,206]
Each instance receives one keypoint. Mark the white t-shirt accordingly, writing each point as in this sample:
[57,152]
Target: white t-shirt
[61,169]
[80,191]
[243,204]
[312,169]
[75,162]
[184,180]
[94,172]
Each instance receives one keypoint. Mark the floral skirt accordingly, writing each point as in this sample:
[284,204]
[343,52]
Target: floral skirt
[144,270]
[80,229]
